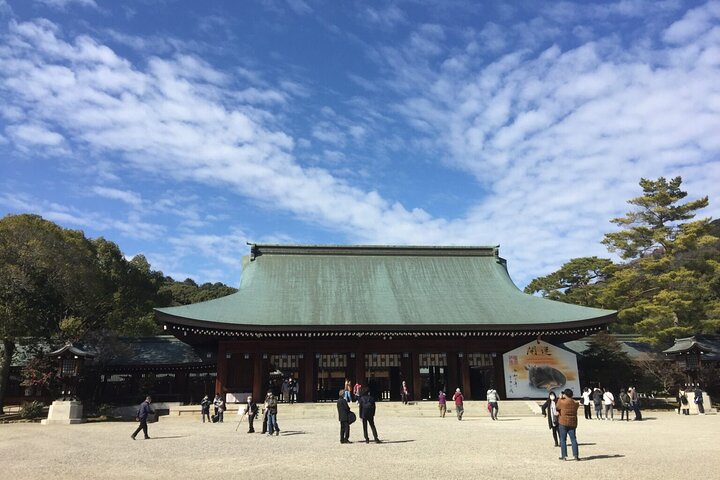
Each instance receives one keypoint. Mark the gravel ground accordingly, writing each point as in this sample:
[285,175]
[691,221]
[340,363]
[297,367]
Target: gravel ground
[665,445]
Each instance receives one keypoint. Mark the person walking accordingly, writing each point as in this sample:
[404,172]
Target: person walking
[459,399]
[366,406]
[442,403]
[271,408]
[567,423]
[219,404]
[292,391]
[251,410]
[343,408]
[683,403]
[549,411]
[699,399]
[635,403]
[625,406]
[586,396]
[404,393]
[492,399]
[597,402]
[142,414]
[609,401]
[205,408]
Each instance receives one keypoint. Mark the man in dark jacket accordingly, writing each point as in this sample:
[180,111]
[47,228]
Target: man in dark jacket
[344,418]
[251,410]
[699,400]
[366,404]
[142,415]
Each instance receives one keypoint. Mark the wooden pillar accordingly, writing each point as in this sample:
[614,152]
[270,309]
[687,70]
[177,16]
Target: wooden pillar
[310,378]
[257,389]
[265,373]
[360,369]
[499,375]
[452,372]
[221,378]
[350,372]
[405,371]
[416,380]
[465,375]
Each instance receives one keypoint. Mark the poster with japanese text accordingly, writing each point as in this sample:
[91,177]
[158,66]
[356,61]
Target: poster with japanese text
[534,369]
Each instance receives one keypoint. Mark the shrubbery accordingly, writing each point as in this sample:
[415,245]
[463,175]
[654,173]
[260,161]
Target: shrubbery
[31,410]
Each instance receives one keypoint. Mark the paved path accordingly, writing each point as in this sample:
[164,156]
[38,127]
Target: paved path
[664,445]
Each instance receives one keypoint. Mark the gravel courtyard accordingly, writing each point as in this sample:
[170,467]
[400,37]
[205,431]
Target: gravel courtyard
[664,445]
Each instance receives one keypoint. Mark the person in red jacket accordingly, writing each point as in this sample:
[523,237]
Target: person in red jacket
[458,399]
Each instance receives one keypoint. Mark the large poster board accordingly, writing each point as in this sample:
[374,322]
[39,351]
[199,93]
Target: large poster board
[534,369]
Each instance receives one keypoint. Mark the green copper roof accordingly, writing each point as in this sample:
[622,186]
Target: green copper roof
[374,287]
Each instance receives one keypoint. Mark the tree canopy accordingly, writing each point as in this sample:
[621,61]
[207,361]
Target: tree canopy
[55,282]
[668,282]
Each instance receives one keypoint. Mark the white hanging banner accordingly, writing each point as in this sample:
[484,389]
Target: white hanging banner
[534,369]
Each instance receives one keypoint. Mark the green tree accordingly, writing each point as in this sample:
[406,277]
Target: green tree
[579,281]
[669,286]
[657,223]
[47,274]
[605,363]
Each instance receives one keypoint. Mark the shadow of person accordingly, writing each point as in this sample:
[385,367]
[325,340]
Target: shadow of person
[168,436]
[600,457]
[287,433]
[397,441]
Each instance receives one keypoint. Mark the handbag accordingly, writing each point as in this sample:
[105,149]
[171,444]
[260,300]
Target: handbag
[351,418]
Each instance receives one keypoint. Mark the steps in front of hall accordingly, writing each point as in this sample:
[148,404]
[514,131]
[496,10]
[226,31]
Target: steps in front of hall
[507,408]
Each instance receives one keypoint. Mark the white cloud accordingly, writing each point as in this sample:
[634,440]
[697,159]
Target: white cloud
[131,198]
[62,4]
[34,134]
[694,23]
[299,7]
[387,17]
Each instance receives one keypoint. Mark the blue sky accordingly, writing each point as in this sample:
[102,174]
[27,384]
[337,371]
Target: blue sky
[184,129]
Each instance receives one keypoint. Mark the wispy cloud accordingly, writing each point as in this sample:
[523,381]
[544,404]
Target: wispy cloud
[131,198]
[555,136]
[386,18]
[62,4]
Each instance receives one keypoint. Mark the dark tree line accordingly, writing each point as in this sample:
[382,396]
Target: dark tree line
[55,283]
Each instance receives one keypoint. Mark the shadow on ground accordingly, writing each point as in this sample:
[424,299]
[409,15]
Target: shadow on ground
[601,457]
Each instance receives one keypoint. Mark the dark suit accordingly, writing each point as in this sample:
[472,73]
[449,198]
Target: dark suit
[367,413]
[344,417]
[251,410]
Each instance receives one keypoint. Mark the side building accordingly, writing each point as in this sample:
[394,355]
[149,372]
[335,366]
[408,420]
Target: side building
[434,317]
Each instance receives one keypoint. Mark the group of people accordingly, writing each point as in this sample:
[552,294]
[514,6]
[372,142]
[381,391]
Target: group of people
[604,403]
[289,390]
[684,403]
[366,407]
[269,413]
[218,403]
[492,403]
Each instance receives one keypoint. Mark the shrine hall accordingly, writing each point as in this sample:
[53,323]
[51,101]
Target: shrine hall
[436,317]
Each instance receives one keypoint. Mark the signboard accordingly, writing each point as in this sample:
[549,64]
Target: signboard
[239,397]
[534,369]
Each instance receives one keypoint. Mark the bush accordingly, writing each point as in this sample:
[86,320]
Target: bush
[31,409]
[103,410]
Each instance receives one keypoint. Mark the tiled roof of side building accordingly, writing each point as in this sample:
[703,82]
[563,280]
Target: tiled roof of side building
[158,350]
[312,286]
[708,344]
